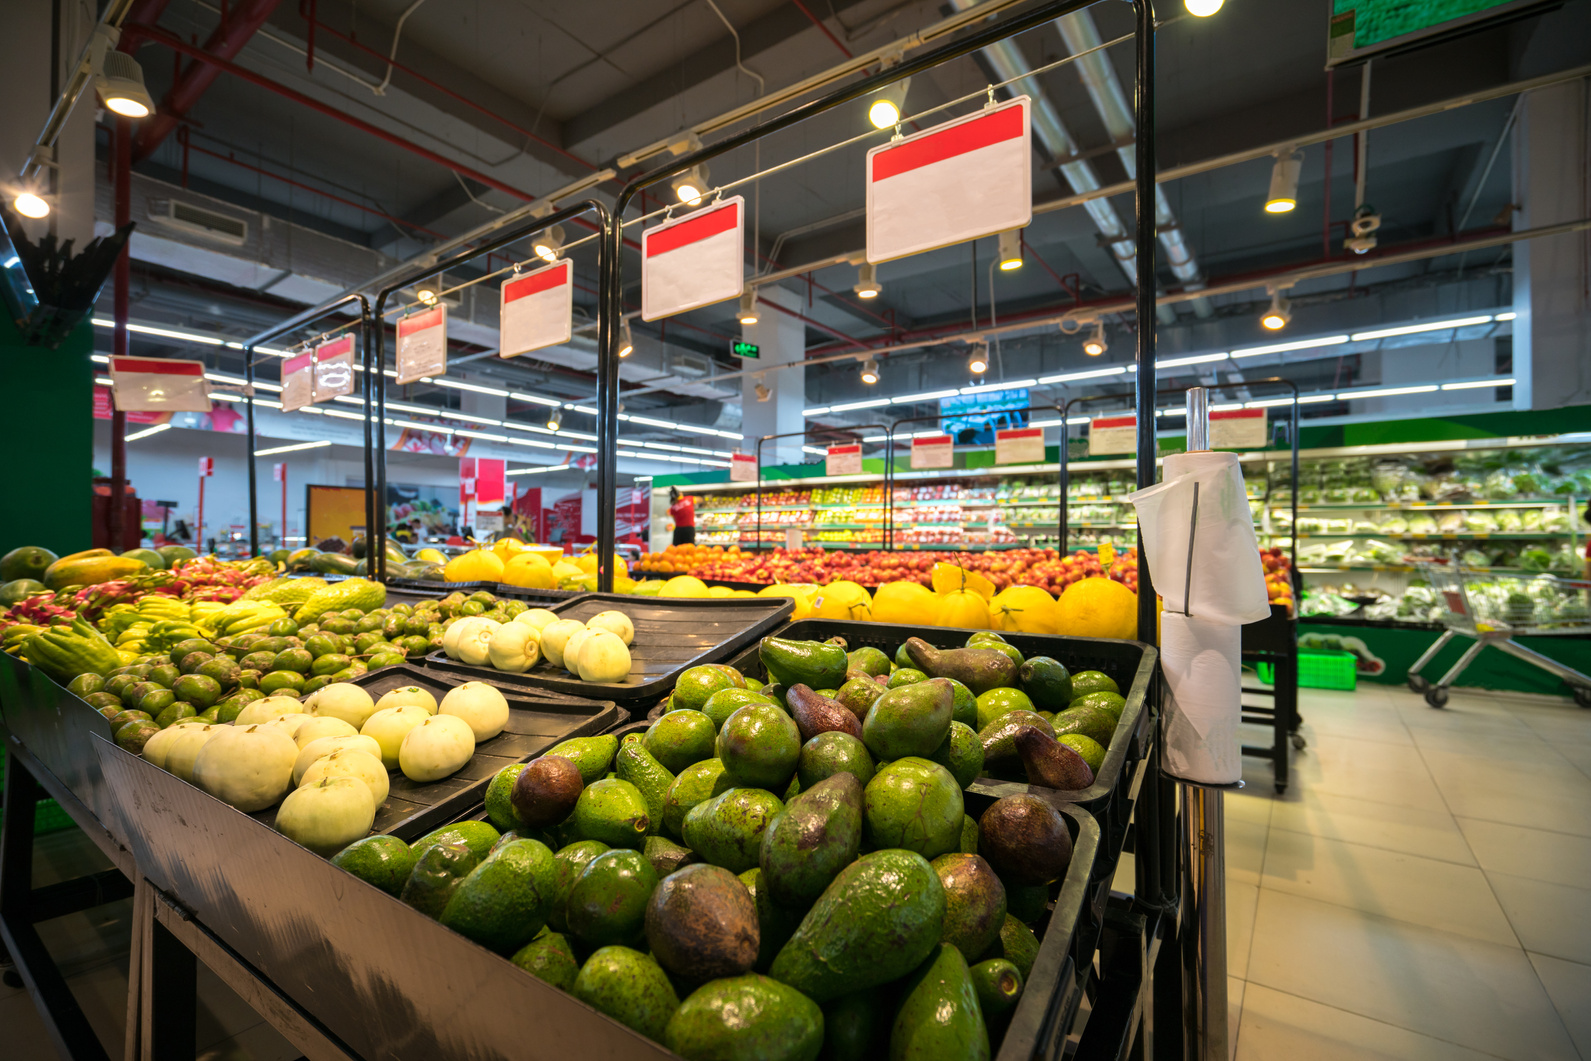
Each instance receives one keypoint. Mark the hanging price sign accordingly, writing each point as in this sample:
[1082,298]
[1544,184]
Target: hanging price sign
[422,345]
[297,384]
[159,385]
[1112,434]
[334,369]
[933,451]
[742,468]
[843,460]
[694,261]
[1019,445]
[537,309]
[1238,429]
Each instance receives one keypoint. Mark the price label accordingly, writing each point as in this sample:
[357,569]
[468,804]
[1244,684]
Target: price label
[843,460]
[1112,434]
[422,345]
[694,261]
[1238,429]
[933,451]
[297,388]
[537,310]
[742,468]
[1019,445]
[333,373]
[488,522]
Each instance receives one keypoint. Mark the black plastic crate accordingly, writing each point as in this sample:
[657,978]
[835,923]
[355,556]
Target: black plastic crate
[1131,663]
[671,635]
[537,720]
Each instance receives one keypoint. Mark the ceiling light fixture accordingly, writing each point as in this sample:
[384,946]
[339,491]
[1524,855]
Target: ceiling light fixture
[690,186]
[1283,194]
[763,393]
[978,363]
[1010,250]
[887,104]
[548,243]
[748,306]
[31,204]
[1202,8]
[1276,318]
[1095,344]
[426,293]
[117,76]
[555,420]
[626,340]
[157,429]
[867,285]
[870,371]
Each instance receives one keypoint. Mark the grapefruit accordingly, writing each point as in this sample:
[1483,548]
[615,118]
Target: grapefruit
[801,593]
[1098,607]
[477,565]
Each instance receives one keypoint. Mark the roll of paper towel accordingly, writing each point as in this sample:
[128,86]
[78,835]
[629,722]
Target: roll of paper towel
[1200,660]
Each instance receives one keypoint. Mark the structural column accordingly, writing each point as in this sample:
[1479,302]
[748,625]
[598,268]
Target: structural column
[781,368]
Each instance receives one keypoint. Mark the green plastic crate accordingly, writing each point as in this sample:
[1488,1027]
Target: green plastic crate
[50,817]
[1318,670]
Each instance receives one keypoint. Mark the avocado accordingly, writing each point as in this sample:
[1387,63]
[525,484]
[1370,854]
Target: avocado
[999,738]
[1092,722]
[437,872]
[1017,944]
[1047,682]
[998,984]
[568,864]
[748,1017]
[961,753]
[1092,681]
[544,792]
[904,676]
[681,738]
[775,923]
[726,702]
[814,714]
[477,836]
[701,924]
[550,958]
[858,694]
[1091,751]
[1025,840]
[1027,902]
[384,861]
[914,804]
[613,812]
[1104,700]
[592,756]
[831,753]
[975,903]
[665,855]
[910,720]
[696,685]
[635,764]
[964,708]
[817,664]
[819,834]
[503,902]
[1050,763]
[727,830]
[629,987]
[607,902]
[856,1026]
[979,669]
[1001,645]
[868,660]
[969,835]
[939,1016]
[499,799]
[877,921]
[759,745]
[695,784]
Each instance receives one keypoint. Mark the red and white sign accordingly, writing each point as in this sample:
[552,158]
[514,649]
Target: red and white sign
[490,485]
[695,261]
[537,309]
[206,467]
[742,468]
[297,382]
[933,451]
[1019,445]
[1112,434]
[104,410]
[422,345]
[334,369]
[1238,429]
[843,460]
[967,178]
[159,385]
[279,472]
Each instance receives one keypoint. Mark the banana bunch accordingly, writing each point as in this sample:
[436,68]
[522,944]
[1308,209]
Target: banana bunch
[154,624]
[17,634]
[240,617]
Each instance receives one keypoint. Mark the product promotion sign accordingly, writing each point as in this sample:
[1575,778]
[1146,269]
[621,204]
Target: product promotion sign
[1019,445]
[1237,429]
[694,261]
[1112,434]
[537,309]
[159,385]
[742,468]
[843,460]
[334,369]
[422,344]
[297,385]
[933,451]
[968,178]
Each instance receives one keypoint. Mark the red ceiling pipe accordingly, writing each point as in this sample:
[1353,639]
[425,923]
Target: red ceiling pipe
[818,22]
[142,13]
[235,31]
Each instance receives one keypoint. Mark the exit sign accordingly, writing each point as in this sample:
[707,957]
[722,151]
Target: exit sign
[745,349]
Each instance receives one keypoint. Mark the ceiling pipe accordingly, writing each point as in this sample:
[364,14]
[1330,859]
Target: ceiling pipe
[228,39]
[1104,88]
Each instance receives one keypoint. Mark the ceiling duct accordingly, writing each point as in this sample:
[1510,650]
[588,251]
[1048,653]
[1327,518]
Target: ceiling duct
[174,213]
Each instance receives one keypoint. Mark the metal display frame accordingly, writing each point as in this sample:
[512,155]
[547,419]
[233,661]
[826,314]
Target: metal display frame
[889,505]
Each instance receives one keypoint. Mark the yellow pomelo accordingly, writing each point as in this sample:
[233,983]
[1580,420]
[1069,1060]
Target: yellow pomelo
[683,586]
[507,548]
[433,556]
[964,608]
[477,565]
[801,593]
[1025,609]
[720,591]
[563,569]
[910,603]
[529,571]
[951,578]
[587,562]
[1098,607]
[843,600]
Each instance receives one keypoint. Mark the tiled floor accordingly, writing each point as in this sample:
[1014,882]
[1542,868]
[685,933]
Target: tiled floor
[1423,889]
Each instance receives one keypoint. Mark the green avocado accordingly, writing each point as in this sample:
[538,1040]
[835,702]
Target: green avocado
[1092,722]
[727,830]
[1047,682]
[1093,681]
[502,904]
[832,753]
[905,676]
[975,903]
[961,753]
[612,811]
[746,1017]
[868,660]
[694,784]
[775,923]
[858,694]
[384,861]
[999,738]
[436,874]
[477,836]
[939,1015]
[682,738]
[914,804]
[550,958]
[568,864]
[1103,700]
[760,745]
[607,902]
[592,756]
[909,720]
[499,807]
[998,984]
[629,987]
[633,763]
[856,1027]
[817,664]
[819,834]
[1017,944]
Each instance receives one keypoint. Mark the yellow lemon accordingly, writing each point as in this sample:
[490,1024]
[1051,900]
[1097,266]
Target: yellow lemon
[529,571]
[964,608]
[1098,607]
[1025,609]
[683,586]
[910,603]
[477,565]
[843,600]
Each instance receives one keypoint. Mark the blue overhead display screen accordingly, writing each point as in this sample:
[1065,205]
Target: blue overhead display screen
[972,419]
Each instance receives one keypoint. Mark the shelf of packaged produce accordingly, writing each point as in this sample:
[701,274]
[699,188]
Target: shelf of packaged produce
[1438,537]
[1073,526]
[1562,499]
[1335,569]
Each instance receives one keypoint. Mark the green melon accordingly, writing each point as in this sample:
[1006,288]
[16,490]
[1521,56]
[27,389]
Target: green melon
[20,589]
[155,561]
[27,561]
[172,553]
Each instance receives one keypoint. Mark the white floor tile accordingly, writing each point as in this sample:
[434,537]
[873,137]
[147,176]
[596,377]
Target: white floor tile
[1282,1027]
[1430,833]
[1549,918]
[1524,852]
[1241,903]
[1245,851]
[1234,1013]
[1568,984]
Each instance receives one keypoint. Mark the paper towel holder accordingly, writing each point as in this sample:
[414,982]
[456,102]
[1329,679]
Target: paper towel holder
[1198,399]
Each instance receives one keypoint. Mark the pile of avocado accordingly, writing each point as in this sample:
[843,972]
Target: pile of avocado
[214,680]
[774,870]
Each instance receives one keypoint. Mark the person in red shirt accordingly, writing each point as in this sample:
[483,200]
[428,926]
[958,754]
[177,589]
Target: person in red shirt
[682,510]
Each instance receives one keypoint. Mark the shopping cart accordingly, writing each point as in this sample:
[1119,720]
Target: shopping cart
[1494,608]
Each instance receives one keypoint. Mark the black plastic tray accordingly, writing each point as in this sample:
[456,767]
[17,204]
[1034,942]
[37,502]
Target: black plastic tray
[1131,663]
[671,635]
[537,720]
